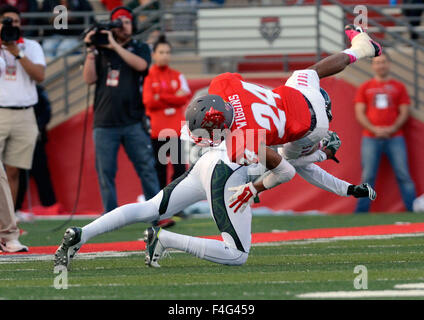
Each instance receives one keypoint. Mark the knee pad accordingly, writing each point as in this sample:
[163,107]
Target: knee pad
[240,258]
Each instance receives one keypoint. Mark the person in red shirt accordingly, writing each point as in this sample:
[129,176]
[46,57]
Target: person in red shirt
[165,94]
[382,108]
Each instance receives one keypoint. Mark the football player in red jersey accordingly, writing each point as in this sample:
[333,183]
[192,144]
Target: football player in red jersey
[252,118]
[283,118]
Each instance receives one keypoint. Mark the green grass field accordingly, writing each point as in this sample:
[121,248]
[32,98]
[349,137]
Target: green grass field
[276,271]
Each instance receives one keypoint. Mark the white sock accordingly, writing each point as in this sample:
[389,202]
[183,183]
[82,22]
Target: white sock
[207,249]
[120,217]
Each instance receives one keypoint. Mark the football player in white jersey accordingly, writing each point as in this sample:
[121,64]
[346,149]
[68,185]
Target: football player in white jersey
[215,178]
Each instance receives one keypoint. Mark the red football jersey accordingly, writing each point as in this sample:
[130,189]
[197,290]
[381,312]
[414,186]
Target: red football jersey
[382,100]
[261,116]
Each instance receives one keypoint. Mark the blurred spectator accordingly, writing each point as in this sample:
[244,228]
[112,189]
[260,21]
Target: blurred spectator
[40,169]
[415,15]
[9,231]
[206,3]
[382,108]
[165,94]
[118,70]
[112,4]
[25,65]
[57,41]
[24,6]
[145,4]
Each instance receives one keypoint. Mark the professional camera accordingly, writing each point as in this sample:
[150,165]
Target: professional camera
[100,38]
[9,33]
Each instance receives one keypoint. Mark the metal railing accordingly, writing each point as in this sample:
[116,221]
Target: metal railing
[408,65]
[63,84]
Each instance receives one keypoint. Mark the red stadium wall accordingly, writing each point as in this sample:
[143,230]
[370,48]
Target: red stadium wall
[64,150]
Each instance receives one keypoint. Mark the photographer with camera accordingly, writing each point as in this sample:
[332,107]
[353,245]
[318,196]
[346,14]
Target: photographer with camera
[117,64]
[24,66]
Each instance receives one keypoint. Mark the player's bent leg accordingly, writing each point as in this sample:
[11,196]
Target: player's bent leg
[75,237]
[235,228]
[158,240]
[180,193]
[362,47]
[308,83]
[172,199]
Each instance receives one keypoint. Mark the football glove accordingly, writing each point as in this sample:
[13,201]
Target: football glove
[332,143]
[362,191]
[243,196]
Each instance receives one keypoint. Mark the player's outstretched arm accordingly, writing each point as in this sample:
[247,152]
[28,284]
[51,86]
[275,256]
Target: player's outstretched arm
[320,178]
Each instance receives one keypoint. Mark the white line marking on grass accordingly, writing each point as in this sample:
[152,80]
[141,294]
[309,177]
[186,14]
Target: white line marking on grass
[82,256]
[410,286]
[14,270]
[343,238]
[363,294]
[114,254]
[67,216]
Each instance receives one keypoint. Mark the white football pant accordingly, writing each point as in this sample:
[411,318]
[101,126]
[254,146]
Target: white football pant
[209,179]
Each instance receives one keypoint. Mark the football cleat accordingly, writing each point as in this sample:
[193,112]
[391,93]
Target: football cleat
[70,245]
[154,249]
[363,190]
[362,44]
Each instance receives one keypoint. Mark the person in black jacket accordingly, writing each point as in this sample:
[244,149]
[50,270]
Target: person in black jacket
[118,70]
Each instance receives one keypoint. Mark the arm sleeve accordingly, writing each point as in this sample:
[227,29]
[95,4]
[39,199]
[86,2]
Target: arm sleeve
[320,178]
[36,54]
[143,51]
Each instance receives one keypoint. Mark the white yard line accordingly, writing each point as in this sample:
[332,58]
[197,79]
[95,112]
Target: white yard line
[410,286]
[115,254]
[342,238]
[362,294]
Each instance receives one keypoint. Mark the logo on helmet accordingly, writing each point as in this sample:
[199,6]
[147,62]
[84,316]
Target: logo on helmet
[213,119]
